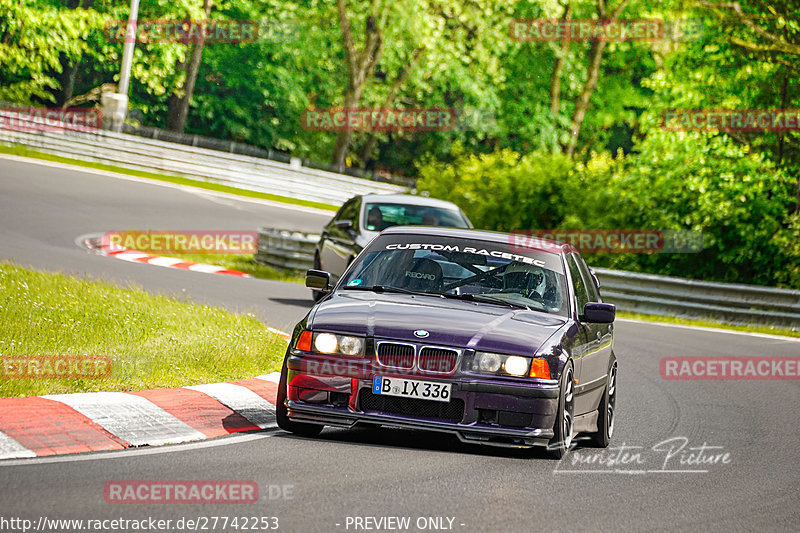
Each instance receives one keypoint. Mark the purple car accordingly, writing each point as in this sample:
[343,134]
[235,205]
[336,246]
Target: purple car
[475,333]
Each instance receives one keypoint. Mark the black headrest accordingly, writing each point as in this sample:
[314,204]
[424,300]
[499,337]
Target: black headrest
[423,275]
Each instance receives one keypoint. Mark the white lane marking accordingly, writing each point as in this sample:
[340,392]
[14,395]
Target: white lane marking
[202,267]
[713,330]
[11,449]
[275,377]
[158,183]
[241,400]
[234,438]
[132,418]
[165,261]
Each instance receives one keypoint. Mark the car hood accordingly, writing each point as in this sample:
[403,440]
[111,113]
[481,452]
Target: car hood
[449,322]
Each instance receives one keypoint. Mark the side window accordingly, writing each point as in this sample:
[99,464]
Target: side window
[349,211]
[581,295]
[594,294]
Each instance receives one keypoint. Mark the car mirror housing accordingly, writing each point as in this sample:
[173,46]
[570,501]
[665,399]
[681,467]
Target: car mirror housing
[344,225]
[599,313]
[318,280]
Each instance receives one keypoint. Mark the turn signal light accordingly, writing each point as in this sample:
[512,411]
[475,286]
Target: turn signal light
[540,368]
[304,341]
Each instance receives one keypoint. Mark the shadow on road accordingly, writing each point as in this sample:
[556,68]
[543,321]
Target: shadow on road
[431,441]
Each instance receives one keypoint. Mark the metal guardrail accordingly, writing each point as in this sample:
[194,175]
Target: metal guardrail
[290,180]
[280,248]
[728,303]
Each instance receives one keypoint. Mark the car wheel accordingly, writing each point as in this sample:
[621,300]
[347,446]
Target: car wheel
[607,411]
[565,416]
[317,295]
[281,413]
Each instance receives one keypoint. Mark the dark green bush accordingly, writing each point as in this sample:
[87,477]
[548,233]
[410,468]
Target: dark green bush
[684,181]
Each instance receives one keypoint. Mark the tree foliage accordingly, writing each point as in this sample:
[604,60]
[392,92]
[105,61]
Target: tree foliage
[548,134]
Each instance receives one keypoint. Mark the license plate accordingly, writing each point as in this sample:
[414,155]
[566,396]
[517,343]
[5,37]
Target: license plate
[412,388]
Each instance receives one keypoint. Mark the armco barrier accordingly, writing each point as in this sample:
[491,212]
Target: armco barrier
[280,248]
[240,171]
[641,293]
[731,303]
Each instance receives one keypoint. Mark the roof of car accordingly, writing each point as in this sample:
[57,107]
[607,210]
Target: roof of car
[408,199]
[519,239]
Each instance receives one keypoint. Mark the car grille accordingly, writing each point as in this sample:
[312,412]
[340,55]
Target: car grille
[452,411]
[396,355]
[437,359]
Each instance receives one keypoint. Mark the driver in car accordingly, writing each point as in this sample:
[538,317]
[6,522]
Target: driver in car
[375,219]
[524,280]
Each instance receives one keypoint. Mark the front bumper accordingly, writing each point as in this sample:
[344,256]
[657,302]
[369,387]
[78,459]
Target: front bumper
[487,410]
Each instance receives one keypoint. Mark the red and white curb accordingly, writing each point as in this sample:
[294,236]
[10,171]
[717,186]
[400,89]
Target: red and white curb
[94,421]
[97,245]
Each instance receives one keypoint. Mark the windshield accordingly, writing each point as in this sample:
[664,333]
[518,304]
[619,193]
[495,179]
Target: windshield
[379,216]
[463,271]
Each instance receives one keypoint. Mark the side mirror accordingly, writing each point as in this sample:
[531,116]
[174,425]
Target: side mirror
[343,225]
[318,280]
[599,313]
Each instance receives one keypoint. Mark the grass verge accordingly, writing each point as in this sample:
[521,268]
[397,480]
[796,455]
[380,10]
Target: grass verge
[243,263]
[153,341]
[24,151]
[709,324]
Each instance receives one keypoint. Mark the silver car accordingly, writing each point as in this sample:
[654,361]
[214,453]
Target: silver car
[362,218]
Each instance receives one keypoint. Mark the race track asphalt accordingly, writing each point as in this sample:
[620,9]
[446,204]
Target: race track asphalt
[390,472]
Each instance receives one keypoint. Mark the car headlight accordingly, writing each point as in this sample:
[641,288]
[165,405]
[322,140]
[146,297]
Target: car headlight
[515,365]
[326,343]
[329,343]
[495,363]
[487,362]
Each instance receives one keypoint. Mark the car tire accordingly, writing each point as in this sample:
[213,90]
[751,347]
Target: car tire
[282,416]
[317,295]
[607,411]
[564,427]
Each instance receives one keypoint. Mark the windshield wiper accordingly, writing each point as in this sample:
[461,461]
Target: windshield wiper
[488,298]
[389,288]
[491,298]
[481,298]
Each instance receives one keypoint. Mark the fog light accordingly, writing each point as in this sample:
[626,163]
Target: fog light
[516,365]
[326,343]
